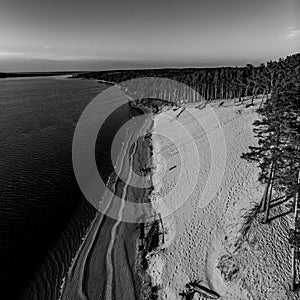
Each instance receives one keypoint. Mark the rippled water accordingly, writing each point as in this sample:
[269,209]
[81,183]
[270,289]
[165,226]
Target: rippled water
[42,212]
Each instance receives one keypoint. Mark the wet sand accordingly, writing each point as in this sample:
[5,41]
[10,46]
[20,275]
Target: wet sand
[104,267]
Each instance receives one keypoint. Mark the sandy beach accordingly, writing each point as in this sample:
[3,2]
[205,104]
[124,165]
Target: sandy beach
[223,244]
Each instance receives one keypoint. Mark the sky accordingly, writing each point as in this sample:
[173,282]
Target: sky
[42,35]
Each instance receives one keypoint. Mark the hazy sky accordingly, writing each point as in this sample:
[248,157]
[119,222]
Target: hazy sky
[96,34]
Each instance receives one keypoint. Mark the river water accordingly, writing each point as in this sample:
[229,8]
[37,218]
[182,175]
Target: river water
[43,214]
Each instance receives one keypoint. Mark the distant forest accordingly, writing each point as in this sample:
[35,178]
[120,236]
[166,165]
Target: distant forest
[33,74]
[212,83]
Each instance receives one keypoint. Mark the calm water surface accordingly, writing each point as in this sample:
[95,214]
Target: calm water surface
[43,214]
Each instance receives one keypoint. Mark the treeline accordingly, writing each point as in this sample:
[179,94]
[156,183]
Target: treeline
[5,75]
[278,130]
[33,74]
[210,83]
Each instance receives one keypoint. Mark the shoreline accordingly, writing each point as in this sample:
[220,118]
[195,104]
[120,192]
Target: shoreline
[99,230]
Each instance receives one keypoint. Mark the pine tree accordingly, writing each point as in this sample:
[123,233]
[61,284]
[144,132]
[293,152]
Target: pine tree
[278,129]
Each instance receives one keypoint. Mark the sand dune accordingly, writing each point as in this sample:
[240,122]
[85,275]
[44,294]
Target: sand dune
[210,243]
